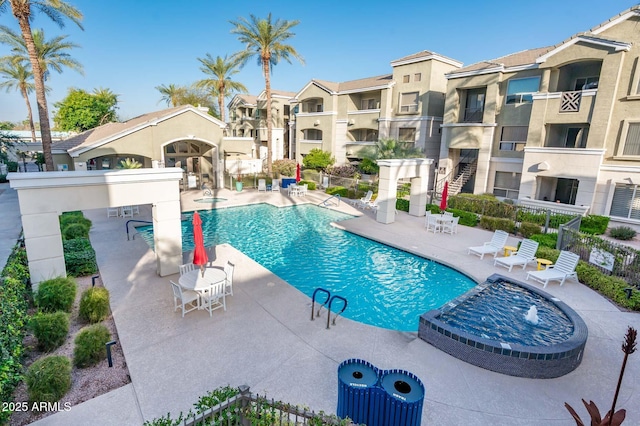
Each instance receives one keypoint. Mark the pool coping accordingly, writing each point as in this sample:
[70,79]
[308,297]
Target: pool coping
[537,362]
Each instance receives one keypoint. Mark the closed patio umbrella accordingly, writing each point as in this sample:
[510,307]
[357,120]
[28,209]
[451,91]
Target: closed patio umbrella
[445,193]
[297,172]
[200,257]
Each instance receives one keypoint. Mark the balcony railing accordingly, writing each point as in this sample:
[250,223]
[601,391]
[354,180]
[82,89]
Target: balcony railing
[570,101]
[473,115]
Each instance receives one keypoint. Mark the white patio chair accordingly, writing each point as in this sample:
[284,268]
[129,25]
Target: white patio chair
[525,255]
[127,211]
[228,286]
[275,185]
[451,227]
[302,190]
[113,211]
[213,298]
[187,299]
[447,214]
[565,267]
[426,218]
[496,244]
[187,267]
[432,223]
[262,185]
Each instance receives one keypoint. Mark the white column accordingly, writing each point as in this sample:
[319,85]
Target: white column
[418,194]
[43,242]
[167,237]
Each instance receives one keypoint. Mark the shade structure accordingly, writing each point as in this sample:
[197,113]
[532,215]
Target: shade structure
[297,172]
[200,257]
[445,193]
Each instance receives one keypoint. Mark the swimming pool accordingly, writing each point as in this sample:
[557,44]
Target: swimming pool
[384,286]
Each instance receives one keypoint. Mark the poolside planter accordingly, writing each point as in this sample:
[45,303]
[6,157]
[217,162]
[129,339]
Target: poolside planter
[357,380]
[402,395]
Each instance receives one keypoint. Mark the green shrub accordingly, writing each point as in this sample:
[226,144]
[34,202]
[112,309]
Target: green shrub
[337,190]
[466,218]
[528,229]
[12,166]
[594,224]
[48,379]
[3,179]
[368,166]
[310,175]
[402,205]
[79,257]
[50,329]
[94,304]
[486,205]
[74,217]
[284,167]
[75,230]
[311,185]
[56,294]
[547,253]
[318,159]
[622,233]
[493,223]
[547,240]
[90,345]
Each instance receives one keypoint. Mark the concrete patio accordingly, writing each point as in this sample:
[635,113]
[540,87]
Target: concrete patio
[266,340]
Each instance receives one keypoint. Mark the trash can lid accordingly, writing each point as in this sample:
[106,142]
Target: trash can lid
[403,386]
[358,374]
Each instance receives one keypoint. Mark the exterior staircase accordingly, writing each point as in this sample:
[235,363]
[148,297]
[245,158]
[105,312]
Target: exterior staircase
[467,172]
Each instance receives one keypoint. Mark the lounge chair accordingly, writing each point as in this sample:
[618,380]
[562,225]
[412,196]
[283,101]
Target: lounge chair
[496,244]
[525,255]
[565,267]
[189,299]
[275,185]
[262,185]
[364,201]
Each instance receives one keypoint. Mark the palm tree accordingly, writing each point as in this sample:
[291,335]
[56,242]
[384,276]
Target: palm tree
[109,98]
[52,54]
[171,94]
[56,10]
[19,78]
[265,41]
[391,148]
[220,71]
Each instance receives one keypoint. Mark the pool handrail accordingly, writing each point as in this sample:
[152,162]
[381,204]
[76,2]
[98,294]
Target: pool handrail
[313,301]
[325,203]
[338,314]
[126,225]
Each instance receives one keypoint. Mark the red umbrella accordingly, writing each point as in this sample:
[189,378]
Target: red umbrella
[445,192]
[297,172]
[200,257]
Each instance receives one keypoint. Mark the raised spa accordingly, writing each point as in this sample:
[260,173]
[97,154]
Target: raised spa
[508,327]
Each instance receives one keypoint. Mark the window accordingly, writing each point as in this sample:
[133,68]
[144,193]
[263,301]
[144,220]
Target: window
[474,105]
[365,135]
[507,184]
[409,102]
[368,104]
[632,142]
[312,106]
[576,137]
[312,135]
[586,83]
[521,90]
[405,78]
[407,134]
[513,138]
[626,201]
[417,76]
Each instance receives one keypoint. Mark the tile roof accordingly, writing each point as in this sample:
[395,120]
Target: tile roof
[361,83]
[422,54]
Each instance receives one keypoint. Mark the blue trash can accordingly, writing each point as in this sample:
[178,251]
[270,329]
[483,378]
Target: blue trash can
[357,379]
[287,181]
[402,399]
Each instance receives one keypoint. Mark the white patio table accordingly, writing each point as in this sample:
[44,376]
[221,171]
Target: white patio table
[193,280]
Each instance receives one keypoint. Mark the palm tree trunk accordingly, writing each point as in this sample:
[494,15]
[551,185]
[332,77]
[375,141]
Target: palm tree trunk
[32,126]
[221,104]
[267,88]
[38,77]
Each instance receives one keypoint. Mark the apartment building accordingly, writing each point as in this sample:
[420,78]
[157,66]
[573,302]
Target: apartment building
[346,117]
[247,128]
[557,124]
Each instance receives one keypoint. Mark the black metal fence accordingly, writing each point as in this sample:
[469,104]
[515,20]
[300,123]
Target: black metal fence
[248,409]
[609,257]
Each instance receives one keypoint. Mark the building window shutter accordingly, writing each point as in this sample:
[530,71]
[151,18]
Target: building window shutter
[632,144]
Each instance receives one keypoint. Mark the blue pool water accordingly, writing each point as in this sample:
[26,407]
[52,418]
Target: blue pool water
[384,286]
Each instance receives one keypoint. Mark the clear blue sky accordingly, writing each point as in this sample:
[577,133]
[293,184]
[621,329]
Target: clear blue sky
[132,46]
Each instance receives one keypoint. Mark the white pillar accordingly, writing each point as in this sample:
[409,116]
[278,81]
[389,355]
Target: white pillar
[167,237]
[43,242]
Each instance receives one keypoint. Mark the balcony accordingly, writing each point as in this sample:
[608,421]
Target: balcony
[559,107]
[473,115]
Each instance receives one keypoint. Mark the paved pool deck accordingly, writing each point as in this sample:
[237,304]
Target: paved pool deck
[266,340]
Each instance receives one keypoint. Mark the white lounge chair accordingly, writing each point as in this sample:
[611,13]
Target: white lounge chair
[496,244]
[364,201]
[228,270]
[262,185]
[275,185]
[565,267]
[213,298]
[189,299]
[525,255]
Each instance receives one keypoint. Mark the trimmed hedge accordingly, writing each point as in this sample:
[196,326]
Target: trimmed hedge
[337,190]
[49,379]
[75,230]
[466,218]
[594,224]
[311,185]
[14,294]
[528,229]
[91,345]
[79,257]
[50,329]
[94,304]
[493,223]
[56,294]
[546,240]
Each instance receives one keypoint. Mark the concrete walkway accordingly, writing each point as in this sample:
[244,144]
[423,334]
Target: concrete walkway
[10,224]
[266,340]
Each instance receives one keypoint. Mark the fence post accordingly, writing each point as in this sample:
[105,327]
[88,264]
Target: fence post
[547,221]
[560,236]
[245,400]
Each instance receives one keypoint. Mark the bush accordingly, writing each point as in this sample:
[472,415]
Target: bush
[546,240]
[73,217]
[318,159]
[12,166]
[94,304]
[90,345]
[493,223]
[466,218]
[49,379]
[547,253]
[79,257]
[402,205]
[485,204]
[56,294]
[594,224]
[622,233]
[337,190]
[50,329]
[368,166]
[346,171]
[74,231]
[284,167]
[311,185]
[3,179]
[528,229]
